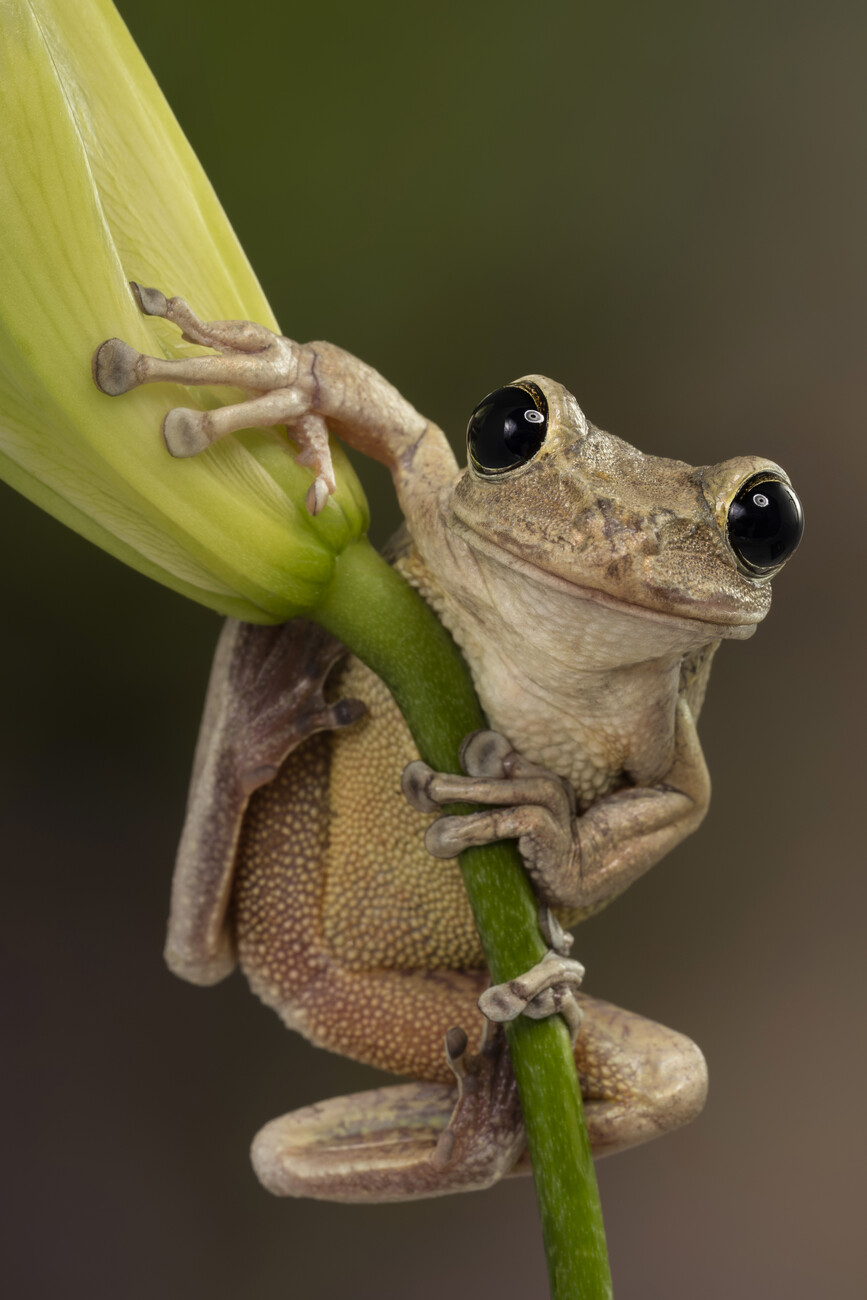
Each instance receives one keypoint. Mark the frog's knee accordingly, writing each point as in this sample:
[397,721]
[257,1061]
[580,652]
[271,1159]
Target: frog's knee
[640,1079]
[676,1085]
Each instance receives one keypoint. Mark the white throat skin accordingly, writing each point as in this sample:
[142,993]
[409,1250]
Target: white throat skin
[579,683]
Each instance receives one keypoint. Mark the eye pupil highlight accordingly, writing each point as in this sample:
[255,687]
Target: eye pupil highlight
[507,428]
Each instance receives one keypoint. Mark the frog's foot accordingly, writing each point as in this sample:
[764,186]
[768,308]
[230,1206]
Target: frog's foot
[547,989]
[485,1133]
[404,1142]
[537,808]
[274,368]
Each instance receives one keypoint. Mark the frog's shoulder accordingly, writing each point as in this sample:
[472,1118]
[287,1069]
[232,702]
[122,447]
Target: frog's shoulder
[265,696]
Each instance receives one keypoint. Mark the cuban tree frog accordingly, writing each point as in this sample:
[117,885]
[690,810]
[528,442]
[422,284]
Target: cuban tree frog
[588,586]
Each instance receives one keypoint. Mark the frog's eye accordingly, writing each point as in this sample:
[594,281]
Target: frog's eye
[765,524]
[507,428]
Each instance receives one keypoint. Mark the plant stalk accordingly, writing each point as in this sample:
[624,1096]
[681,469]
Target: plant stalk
[384,621]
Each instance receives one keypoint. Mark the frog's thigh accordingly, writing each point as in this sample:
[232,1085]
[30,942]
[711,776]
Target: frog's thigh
[638,1078]
[395,1019]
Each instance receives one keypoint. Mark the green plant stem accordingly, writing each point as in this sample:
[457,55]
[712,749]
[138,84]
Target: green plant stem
[386,623]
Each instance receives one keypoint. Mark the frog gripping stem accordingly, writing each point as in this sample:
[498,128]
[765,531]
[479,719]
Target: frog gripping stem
[596,773]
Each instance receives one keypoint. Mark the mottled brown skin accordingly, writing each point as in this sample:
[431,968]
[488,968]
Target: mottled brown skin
[588,589]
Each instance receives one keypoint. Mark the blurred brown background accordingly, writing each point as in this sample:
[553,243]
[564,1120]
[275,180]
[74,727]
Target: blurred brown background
[664,206]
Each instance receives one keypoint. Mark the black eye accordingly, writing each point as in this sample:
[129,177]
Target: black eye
[507,428]
[765,524]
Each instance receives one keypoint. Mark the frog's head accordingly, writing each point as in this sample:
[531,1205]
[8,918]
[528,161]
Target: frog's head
[546,487]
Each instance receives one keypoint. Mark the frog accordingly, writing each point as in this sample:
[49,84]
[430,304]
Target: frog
[588,585]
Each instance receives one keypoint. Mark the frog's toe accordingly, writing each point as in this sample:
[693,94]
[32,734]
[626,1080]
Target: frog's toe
[483,756]
[544,839]
[316,496]
[186,432]
[415,782]
[428,791]
[150,302]
[224,335]
[310,432]
[484,753]
[116,367]
[553,933]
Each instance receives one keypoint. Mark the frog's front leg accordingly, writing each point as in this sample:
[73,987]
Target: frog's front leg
[308,387]
[576,861]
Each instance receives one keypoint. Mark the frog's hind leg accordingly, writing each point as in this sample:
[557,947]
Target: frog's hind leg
[363,991]
[639,1079]
[423,1139]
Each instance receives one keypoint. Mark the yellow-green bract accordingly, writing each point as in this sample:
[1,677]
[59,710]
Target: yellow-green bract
[98,186]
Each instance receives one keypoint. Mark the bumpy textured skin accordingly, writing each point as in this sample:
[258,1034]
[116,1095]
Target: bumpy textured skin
[349,929]
[588,590]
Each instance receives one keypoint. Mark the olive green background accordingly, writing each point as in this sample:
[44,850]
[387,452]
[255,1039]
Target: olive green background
[664,206]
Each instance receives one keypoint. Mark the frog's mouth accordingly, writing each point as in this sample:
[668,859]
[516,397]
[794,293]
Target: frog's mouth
[666,605]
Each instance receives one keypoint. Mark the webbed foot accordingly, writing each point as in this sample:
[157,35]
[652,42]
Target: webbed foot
[485,1134]
[404,1142]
